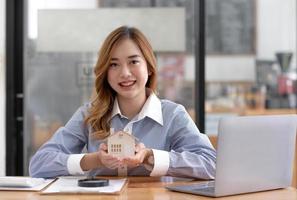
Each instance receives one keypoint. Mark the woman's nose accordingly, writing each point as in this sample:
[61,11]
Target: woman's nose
[125,71]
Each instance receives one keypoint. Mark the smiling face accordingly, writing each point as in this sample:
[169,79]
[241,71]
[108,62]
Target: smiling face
[128,72]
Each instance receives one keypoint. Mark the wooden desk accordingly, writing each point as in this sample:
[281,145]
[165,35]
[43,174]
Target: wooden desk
[144,188]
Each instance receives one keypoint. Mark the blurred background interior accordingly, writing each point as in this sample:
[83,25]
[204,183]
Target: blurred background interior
[250,58]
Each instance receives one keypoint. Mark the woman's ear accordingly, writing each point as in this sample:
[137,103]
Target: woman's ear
[149,73]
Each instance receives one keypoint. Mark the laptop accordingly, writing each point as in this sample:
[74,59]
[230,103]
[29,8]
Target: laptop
[254,153]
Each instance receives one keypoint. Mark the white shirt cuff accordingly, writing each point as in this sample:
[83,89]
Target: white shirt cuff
[161,163]
[73,164]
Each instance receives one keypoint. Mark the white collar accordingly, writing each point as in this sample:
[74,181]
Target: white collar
[152,109]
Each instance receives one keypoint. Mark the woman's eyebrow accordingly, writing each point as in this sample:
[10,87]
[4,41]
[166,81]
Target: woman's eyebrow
[129,57]
[134,56]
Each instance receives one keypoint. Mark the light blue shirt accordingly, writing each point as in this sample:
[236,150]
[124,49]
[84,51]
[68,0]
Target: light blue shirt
[179,148]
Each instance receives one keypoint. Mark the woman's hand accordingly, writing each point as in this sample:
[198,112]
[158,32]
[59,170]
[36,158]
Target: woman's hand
[141,155]
[108,160]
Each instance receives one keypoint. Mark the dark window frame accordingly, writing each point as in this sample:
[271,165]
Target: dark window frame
[200,64]
[14,87]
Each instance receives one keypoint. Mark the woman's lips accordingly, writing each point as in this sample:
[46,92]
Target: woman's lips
[127,83]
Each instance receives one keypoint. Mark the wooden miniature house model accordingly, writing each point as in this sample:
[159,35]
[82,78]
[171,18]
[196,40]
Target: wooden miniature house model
[121,144]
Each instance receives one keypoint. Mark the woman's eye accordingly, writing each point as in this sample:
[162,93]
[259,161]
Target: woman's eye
[113,64]
[134,62]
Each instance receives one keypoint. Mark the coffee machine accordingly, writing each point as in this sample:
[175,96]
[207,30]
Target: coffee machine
[287,80]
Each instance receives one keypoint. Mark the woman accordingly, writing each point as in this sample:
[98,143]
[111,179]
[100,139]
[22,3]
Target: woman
[125,100]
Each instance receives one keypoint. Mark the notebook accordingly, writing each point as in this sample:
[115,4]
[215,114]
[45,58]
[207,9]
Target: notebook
[23,183]
[254,153]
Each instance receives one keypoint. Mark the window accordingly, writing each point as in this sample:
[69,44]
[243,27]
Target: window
[251,59]
[116,148]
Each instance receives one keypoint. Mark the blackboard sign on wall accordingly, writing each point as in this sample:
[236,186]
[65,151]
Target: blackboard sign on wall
[230,26]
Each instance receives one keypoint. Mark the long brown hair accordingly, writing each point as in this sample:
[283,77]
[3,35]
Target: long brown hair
[102,105]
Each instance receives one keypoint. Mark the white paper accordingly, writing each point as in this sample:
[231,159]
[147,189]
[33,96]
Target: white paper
[69,185]
[23,183]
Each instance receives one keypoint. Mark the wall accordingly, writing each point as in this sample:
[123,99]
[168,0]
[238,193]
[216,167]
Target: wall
[2,88]
[276,28]
[70,25]
[230,68]
[224,68]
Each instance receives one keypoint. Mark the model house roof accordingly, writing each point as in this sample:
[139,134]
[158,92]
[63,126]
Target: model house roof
[122,133]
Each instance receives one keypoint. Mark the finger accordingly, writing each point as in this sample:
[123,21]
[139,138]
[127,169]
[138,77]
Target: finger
[142,146]
[103,146]
[114,165]
[139,146]
[140,154]
[110,157]
[131,161]
[102,154]
[132,165]
[105,157]
[110,162]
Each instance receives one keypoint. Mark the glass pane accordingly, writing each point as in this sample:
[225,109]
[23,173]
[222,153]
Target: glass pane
[251,58]
[56,82]
[61,49]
